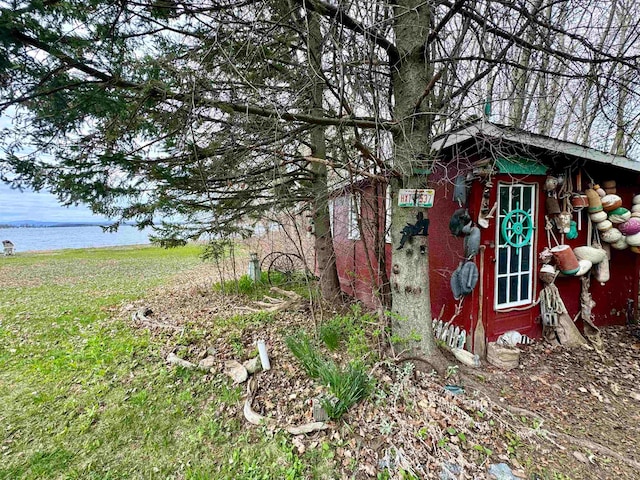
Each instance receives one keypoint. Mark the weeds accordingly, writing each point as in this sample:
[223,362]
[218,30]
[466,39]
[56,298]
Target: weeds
[308,356]
[347,386]
[331,333]
[351,328]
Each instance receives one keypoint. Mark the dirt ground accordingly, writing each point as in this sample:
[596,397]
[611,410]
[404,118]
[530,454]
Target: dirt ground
[562,414]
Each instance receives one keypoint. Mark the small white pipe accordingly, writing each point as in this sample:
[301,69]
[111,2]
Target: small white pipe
[264,357]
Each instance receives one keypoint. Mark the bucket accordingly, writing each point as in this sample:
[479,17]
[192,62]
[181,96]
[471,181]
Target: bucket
[567,261]
[502,357]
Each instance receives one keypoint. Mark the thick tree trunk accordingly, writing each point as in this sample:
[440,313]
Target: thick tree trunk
[325,257]
[410,265]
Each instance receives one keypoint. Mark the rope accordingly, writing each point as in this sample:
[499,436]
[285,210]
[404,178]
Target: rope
[551,306]
[550,300]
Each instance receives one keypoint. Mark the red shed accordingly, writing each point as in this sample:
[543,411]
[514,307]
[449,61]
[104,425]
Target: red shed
[478,167]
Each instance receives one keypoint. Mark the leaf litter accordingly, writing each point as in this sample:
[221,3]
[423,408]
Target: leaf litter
[542,419]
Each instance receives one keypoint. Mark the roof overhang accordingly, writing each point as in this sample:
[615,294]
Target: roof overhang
[485,129]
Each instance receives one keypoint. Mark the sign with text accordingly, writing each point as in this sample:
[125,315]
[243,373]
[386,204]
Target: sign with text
[410,197]
[424,197]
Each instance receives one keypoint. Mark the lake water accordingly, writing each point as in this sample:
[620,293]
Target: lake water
[57,238]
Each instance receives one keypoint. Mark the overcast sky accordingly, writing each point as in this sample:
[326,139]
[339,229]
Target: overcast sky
[27,205]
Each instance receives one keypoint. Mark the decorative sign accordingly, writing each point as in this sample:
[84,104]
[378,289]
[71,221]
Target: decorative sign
[410,197]
[406,198]
[424,197]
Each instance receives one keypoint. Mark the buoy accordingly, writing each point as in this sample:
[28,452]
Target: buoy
[567,261]
[595,203]
[630,227]
[619,215]
[598,217]
[633,240]
[594,255]
[604,225]
[611,236]
[611,202]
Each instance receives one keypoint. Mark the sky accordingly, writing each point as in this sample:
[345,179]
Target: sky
[28,205]
[16,205]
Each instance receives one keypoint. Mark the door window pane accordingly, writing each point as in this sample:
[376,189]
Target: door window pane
[514,269]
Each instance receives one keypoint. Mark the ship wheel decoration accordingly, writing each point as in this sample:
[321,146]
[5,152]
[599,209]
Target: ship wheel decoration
[517,227]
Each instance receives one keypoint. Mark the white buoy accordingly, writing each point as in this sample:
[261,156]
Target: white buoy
[264,357]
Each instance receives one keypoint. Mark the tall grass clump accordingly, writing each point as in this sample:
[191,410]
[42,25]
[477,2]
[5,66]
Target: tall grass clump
[350,328]
[347,386]
[306,353]
[331,333]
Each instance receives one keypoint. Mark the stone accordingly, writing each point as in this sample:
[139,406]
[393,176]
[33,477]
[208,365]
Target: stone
[450,471]
[207,363]
[254,365]
[581,457]
[236,371]
[501,471]
[173,359]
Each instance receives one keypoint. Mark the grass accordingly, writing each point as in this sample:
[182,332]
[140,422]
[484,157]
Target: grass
[346,385]
[256,291]
[85,396]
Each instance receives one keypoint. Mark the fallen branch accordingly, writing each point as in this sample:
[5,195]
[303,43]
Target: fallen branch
[256,419]
[593,446]
[273,305]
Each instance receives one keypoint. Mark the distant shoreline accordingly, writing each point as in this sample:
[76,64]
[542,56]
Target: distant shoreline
[40,238]
[58,225]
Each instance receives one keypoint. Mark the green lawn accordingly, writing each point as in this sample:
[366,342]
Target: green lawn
[86,396]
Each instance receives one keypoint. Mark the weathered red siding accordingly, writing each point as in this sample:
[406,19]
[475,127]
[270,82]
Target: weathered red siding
[446,251]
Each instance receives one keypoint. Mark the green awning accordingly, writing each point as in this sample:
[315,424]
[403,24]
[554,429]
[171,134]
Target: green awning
[520,166]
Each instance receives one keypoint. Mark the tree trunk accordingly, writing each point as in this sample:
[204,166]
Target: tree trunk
[325,257]
[410,272]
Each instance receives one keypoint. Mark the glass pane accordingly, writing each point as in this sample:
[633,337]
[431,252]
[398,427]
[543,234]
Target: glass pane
[524,286]
[502,260]
[504,201]
[502,290]
[513,288]
[516,198]
[515,259]
[525,258]
[526,198]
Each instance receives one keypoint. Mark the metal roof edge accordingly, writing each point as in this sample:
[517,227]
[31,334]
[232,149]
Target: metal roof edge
[491,130]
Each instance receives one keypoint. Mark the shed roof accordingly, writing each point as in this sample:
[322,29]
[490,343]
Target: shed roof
[485,129]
